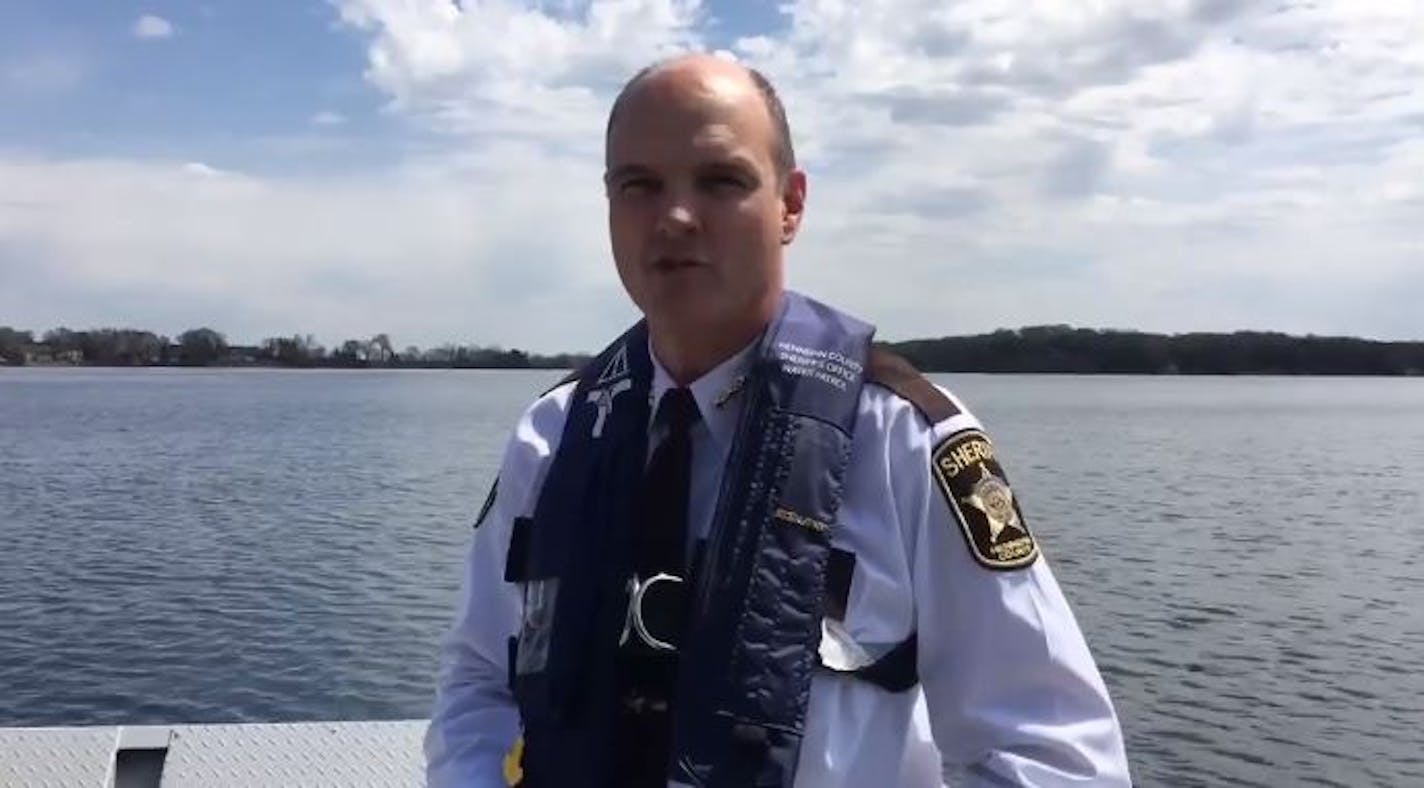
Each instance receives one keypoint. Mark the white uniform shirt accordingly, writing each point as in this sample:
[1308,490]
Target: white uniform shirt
[1009,693]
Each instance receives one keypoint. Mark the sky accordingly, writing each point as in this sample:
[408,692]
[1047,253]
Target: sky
[431,169]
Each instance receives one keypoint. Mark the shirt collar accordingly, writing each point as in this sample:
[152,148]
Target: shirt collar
[718,393]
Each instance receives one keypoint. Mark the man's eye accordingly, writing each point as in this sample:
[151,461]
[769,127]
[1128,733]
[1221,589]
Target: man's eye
[724,182]
[637,186]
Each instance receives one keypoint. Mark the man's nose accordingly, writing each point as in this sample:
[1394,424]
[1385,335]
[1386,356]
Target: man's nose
[678,214]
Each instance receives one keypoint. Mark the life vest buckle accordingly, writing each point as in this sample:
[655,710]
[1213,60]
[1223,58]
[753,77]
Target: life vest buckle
[634,622]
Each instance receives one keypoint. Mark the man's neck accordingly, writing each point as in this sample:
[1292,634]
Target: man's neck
[689,352]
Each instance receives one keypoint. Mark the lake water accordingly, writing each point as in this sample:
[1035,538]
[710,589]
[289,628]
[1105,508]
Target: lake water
[1244,554]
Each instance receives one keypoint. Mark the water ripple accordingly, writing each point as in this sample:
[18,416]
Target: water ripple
[278,546]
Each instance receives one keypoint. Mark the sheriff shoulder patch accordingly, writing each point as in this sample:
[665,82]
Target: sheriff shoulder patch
[979,495]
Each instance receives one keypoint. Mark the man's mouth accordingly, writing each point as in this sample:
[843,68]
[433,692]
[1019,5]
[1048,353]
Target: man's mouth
[670,264]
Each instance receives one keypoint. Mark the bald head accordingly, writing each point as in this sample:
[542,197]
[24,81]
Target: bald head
[707,77]
[703,195]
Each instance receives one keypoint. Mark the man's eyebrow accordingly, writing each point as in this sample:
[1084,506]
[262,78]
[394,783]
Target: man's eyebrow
[731,162]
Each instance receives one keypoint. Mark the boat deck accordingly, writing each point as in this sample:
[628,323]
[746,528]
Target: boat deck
[188,756]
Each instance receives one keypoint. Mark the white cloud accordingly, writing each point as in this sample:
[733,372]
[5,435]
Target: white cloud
[202,170]
[1172,165]
[425,253]
[42,72]
[328,118]
[152,27]
[514,70]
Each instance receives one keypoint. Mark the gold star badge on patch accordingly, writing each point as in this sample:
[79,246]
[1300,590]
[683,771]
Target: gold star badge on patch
[992,496]
[979,495]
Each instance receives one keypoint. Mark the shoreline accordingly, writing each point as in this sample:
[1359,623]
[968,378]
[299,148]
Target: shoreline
[1408,374]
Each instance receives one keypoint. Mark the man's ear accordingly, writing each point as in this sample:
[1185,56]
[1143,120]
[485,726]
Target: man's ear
[793,205]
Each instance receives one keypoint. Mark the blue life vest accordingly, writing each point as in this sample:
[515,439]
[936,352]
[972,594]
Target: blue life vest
[761,586]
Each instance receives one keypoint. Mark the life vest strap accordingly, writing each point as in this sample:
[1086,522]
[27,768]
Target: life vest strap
[896,670]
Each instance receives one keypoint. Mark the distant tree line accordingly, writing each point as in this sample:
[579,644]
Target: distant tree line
[1077,350]
[1034,349]
[203,347]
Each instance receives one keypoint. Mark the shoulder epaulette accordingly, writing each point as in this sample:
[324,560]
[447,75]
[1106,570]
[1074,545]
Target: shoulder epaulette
[900,376]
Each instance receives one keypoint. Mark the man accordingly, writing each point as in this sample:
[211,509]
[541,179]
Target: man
[740,548]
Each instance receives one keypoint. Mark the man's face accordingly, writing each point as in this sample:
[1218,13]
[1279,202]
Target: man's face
[697,215]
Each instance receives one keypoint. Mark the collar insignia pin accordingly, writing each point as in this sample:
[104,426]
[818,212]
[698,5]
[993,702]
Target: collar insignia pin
[731,391]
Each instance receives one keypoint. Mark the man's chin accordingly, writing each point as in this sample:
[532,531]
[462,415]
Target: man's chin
[687,310]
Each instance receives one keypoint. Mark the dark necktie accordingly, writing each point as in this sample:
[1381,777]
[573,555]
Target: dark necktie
[663,530]
[648,674]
